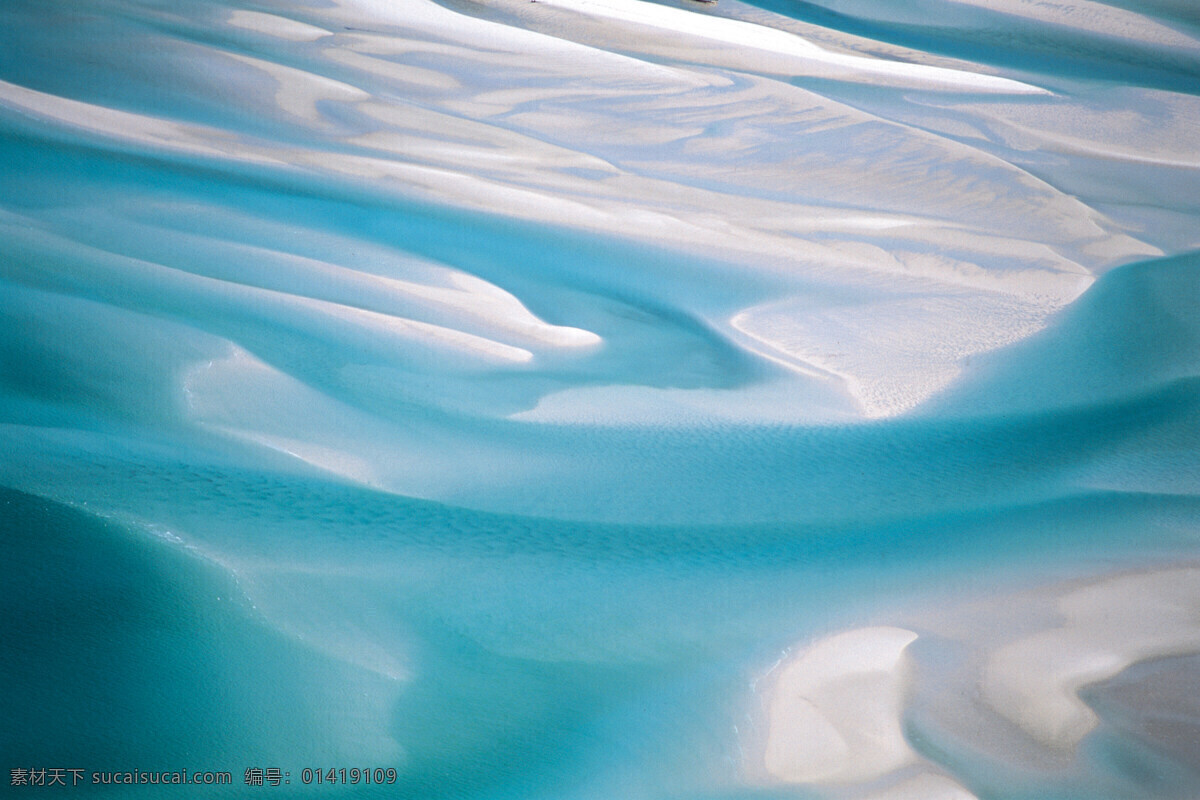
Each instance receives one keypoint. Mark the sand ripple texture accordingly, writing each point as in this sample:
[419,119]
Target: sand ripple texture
[604,398]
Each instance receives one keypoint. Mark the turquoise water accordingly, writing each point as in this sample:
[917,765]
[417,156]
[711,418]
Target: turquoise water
[242,529]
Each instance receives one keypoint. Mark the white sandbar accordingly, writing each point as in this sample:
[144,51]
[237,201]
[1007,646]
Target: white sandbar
[835,709]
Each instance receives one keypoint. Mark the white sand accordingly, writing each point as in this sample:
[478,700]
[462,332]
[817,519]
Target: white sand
[273,25]
[300,91]
[962,252]
[1093,17]
[893,355]
[835,708]
[807,57]
[1142,126]
[1106,627]
[386,328]
[242,397]
[444,297]
[392,337]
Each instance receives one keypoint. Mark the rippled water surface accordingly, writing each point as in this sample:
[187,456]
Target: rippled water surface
[602,398]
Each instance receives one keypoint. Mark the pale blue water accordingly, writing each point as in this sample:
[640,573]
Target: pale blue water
[506,608]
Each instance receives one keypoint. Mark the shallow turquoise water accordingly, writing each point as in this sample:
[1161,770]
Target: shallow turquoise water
[242,531]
